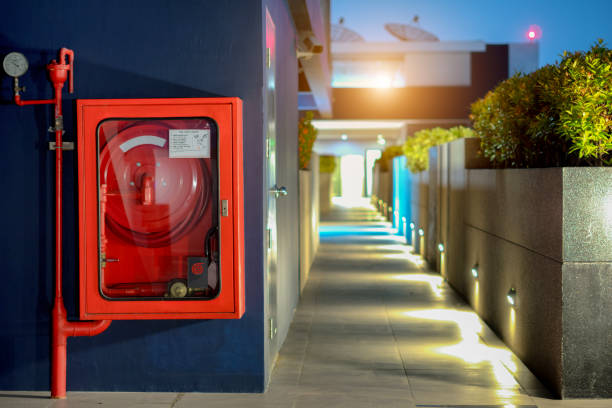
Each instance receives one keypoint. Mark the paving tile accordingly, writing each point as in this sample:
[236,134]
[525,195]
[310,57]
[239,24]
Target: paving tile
[116,399]
[25,399]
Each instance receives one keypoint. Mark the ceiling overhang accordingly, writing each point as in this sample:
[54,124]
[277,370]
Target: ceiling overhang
[312,23]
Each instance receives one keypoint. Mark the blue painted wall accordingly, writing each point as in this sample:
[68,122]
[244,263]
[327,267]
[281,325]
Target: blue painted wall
[402,196]
[124,49]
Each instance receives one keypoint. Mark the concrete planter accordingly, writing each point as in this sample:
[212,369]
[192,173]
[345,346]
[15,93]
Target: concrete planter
[548,234]
[309,219]
[325,191]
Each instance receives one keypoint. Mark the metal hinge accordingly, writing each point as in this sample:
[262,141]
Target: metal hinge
[268,58]
[273,329]
[269,238]
[65,146]
[224,208]
[268,148]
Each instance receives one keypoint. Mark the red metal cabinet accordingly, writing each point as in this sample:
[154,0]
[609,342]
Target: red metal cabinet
[161,208]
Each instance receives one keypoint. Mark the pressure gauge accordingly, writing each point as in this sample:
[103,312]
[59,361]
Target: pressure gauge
[15,64]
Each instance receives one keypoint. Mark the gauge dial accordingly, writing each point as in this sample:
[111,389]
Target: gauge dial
[15,64]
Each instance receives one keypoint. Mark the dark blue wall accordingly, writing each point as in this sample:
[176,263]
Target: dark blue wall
[124,49]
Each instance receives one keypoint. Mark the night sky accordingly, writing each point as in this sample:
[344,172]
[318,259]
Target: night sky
[565,25]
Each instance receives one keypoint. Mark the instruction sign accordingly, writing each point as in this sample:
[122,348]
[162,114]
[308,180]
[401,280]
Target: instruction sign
[189,143]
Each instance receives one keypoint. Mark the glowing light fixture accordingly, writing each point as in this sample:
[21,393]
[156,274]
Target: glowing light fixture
[412,226]
[421,232]
[344,136]
[380,139]
[441,247]
[534,32]
[511,297]
[475,271]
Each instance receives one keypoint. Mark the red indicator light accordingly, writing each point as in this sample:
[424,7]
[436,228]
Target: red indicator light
[534,32]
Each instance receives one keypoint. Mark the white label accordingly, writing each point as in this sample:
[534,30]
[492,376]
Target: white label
[189,143]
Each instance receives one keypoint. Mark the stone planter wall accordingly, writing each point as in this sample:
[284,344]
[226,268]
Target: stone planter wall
[325,191]
[545,232]
[309,218]
[382,186]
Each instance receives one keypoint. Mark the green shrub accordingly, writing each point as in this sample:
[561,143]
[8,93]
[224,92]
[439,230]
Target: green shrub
[327,164]
[558,115]
[307,134]
[416,148]
[586,113]
[387,155]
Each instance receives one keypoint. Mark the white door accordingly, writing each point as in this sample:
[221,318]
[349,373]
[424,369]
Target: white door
[270,249]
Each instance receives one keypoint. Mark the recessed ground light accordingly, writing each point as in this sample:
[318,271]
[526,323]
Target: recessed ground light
[475,271]
[511,296]
[344,136]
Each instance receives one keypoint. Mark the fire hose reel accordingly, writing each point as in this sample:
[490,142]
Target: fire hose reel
[156,180]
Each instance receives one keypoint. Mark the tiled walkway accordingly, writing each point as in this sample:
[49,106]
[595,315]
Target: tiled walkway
[373,329]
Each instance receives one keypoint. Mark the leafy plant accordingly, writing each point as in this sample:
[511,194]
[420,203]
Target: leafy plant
[559,115]
[327,164]
[586,113]
[307,134]
[387,155]
[416,148]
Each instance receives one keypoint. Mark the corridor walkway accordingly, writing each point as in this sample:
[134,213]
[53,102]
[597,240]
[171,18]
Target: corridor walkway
[373,329]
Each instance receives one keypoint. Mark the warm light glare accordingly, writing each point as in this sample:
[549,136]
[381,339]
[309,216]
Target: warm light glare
[412,226]
[436,283]
[344,136]
[471,348]
[421,232]
[382,81]
[353,202]
[441,247]
[475,271]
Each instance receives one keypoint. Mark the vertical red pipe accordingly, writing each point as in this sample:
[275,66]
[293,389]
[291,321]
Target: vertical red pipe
[59,341]
[61,327]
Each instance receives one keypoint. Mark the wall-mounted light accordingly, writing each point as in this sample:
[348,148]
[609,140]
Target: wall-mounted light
[344,136]
[474,271]
[412,226]
[380,139]
[421,232]
[511,297]
[441,247]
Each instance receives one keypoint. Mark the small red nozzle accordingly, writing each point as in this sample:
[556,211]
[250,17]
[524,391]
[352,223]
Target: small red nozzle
[65,52]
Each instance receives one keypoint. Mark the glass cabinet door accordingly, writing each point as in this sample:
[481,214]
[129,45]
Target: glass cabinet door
[158,198]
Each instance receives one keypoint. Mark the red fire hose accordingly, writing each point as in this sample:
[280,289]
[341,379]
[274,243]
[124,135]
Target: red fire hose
[62,328]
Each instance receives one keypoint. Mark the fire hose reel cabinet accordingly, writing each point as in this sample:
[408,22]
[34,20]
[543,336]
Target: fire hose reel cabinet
[161,208]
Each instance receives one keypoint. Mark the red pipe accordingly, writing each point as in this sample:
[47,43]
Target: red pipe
[62,328]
